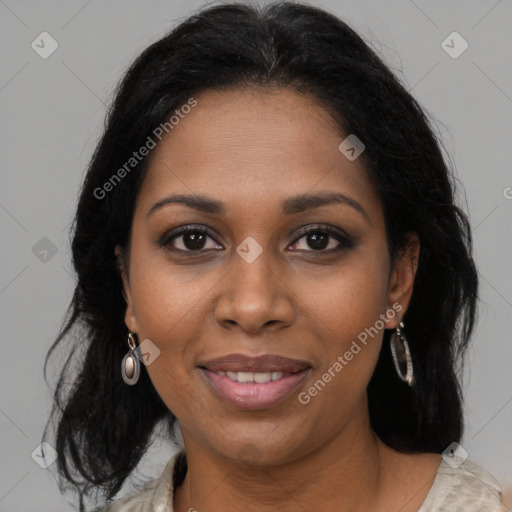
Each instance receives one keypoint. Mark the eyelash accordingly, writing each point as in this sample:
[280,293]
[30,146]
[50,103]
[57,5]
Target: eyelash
[344,240]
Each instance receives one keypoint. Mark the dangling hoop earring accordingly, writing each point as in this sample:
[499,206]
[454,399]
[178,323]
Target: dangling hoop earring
[402,356]
[130,366]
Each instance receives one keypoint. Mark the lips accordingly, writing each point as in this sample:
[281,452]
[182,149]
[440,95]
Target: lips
[266,363]
[254,382]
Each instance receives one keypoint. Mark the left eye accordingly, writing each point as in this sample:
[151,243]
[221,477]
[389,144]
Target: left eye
[318,239]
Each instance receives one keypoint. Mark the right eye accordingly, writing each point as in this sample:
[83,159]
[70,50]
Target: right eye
[188,239]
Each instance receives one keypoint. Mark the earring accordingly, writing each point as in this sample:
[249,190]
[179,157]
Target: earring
[402,356]
[130,366]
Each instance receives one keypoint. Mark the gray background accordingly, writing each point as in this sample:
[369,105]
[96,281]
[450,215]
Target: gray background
[52,113]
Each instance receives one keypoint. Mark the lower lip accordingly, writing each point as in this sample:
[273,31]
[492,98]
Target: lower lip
[253,395]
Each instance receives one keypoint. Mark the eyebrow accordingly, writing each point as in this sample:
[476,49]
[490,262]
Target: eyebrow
[290,206]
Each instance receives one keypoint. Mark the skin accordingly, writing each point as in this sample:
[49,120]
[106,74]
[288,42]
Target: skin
[251,149]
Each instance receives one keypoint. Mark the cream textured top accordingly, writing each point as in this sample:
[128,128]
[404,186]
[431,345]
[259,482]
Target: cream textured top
[466,488]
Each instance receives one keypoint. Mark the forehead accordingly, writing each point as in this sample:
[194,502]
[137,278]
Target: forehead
[253,147]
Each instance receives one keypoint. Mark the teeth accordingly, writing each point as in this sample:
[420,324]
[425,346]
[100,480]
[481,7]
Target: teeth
[244,377]
[259,378]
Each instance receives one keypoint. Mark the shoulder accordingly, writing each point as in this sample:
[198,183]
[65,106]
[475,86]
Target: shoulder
[135,501]
[465,486]
[154,495]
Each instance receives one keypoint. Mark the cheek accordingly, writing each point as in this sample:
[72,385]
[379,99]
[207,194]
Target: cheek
[347,298]
[168,298]
[348,309]
[172,306]
[167,308]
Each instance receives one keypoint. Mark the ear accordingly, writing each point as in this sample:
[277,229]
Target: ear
[401,282]
[129,316]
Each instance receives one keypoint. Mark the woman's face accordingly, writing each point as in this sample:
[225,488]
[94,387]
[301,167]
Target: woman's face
[254,284]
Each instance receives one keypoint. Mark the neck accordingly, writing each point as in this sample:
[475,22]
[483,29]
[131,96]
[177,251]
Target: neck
[344,474]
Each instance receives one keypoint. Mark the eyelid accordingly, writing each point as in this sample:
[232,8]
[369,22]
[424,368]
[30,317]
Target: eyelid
[326,228]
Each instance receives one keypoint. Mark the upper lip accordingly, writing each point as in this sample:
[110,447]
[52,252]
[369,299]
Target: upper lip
[257,364]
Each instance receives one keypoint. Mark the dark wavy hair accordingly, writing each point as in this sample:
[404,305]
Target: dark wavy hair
[104,427]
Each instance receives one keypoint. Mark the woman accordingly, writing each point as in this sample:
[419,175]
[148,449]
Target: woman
[268,250]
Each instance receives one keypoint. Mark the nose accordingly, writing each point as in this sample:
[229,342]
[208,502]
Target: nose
[254,296]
